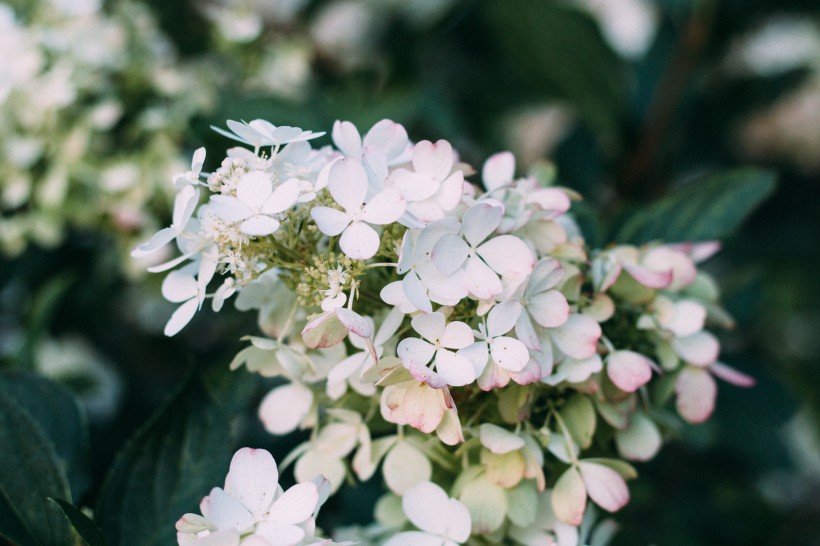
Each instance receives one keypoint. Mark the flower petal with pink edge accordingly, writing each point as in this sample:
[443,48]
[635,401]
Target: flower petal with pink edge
[284,408]
[480,220]
[423,407]
[507,254]
[359,241]
[498,170]
[450,192]
[433,159]
[384,208]
[628,370]
[578,336]
[696,392]
[604,486]
[549,309]
[253,479]
[650,278]
[569,497]
[347,183]
[700,349]
[731,375]
[296,505]
[664,258]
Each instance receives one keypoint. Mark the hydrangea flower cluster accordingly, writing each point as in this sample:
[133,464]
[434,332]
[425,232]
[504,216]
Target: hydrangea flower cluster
[443,331]
[93,106]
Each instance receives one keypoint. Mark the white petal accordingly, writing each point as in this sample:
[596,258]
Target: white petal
[346,137]
[185,203]
[640,441]
[390,137]
[181,317]
[684,318]
[457,335]
[416,186]
[502,318]
[480,220]
[507,254]
[455,369]
[478,354]
[355,323]
[427,507]
[254,188]
[416,292]
[604,486]
[450,253]
[359,241]
[414,538]
[415,351]
[296,505]
[282,197]
[433,159]
[230,208]
[179,286]
[628,370]
[404,467]
[578,336]
[384,208]
[329,221]
[197,160]
[315,463]
[481,281]
[700,349]
[431,326]
[225,511]
[259,225]
[499,440]
[284,408]
[253,479]
[498,170]
[449,193]
[569,497]
[509,353]
[696,392]
[731,375]
[159,240]
[347,183]
[549,309]
[525,331]
[547,273]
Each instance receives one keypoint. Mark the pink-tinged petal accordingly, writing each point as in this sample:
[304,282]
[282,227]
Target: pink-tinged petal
[347,183]
[416,292]
[431,326]
[650,278]
[549,309]
[493,377]
[433,159]
[546,274]
[385,208]
[700,349]
[416,186]
[628,370]
[230,209]
[450,192]
[578,336]
[423,407]
[569,497]
[478,354]
[525,331]
[455,369]
[415,538]
[604,486]
[450,253]
[181,317]
[282,197]
[259,225]
[498,170]
[553,201]
[404,467]
[731,375]
[285,407]
[696,392]
[159,240]
[355,323]
[509,353]
[663,258]
[427,507]
[179,286]
[457,335]
[330,221]
[390,137]
[502,318]
[253,479]
[326,330]
[682,318]
[507,254]
[640,441]
[449,429]
[359,241]
[499,440]
[254,188]
[226,512]
[415,351]
[531,373]
[423,374]
[296,505]
[480,220]
[346,138]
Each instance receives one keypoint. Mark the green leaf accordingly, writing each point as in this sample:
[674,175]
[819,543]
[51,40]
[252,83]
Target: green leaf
[579,416]
[60,417]
[84,525]
[175,460]
[557,50]
[710,208]
[30,473]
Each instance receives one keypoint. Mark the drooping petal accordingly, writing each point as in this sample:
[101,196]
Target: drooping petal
[696,392]
[549,309]
[181,317]
[405,466]
[480,220]
[359,241]
[346,137]
[700,349]
[628,370]
[347,183]
[159,240]
[509,353]
[731,375]
[355,323]
[385,208]
[284,408]
[604,486]
[326,330]
[296,505]
[569,497]
[578,336]
[507,254]
[450,253]
[499,440]
[498,170]
[329,221]
[253,479]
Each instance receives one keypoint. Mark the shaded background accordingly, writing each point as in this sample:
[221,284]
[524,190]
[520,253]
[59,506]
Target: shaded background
[712,85]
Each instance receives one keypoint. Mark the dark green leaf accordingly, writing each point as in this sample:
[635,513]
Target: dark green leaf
[84,525]
[55,409]
[558,51]
[710,208]
[174,461]
[30,473]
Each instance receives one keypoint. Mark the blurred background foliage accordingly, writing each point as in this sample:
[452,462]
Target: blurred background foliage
[630,99]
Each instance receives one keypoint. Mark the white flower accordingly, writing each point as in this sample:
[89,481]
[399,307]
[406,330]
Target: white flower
[348,184]
[415,353]
[256,203]
[185,204]
[443,521]
[191,177]
[506,352]
[388,137]
[260,133]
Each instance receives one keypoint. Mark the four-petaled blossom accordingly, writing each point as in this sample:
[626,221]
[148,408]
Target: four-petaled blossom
[256,203]
[259,132]
[443,521]
[451,368]
[347,183]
